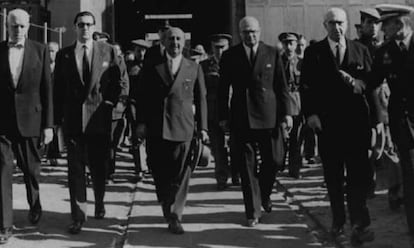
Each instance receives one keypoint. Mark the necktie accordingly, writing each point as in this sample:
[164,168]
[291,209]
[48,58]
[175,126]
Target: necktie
[403,47]
[338,55]
[85,66]
[252,56]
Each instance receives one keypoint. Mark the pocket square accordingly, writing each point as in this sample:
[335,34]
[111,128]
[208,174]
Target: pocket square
[360,67]
[105,64]
[268,65]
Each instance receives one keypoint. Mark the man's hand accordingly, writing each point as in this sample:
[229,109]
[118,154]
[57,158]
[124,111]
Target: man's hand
[140,132]
[47,136]
[288,120]
[204,136]
[359,86]
[380,128]
[314,122]
[224,125]
[346,77]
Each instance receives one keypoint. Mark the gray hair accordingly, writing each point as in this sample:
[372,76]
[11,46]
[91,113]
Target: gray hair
[332,11]
[248,19]
[18,13]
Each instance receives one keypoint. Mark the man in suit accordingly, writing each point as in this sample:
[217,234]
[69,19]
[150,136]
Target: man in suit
[165,116]
[259,103]
[27,115]
[89,79]
[394,62]
[334,73]
[219,44]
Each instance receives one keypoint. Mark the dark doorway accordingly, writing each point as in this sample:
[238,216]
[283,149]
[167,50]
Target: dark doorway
[208,17]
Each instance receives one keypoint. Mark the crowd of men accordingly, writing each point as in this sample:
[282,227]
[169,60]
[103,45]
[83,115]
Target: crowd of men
[254,104]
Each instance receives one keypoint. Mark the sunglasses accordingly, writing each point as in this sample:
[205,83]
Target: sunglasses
[84,24]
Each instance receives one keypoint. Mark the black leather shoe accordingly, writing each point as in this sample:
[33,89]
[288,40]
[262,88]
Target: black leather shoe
[100,212]
[395,204]
[235,181]
[5,234]
[338,232]
[221,186]
[75,227]
[175,227]
[361,235]
[267,206]
[34,216]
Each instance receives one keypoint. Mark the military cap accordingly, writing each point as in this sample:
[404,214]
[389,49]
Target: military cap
[371,13]
[388,11]
[288,36]
[141,43]
[218,37]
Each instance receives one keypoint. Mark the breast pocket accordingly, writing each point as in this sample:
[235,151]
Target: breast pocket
[187,89]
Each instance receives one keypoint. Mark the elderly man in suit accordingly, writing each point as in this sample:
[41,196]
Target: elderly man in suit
[89,79]
[394,62]
[165,116]
[27,115]
[334,73]
[259,104]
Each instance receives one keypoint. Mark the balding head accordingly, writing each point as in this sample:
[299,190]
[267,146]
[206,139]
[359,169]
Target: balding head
[336,23]
[18,25]
[249,29]
[174,41]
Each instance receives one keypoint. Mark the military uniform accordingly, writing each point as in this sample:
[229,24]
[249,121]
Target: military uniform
[217,138]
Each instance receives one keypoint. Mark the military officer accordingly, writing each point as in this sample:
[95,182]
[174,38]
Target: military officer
[369,29]
[394,62]
[292,64]
[219,44]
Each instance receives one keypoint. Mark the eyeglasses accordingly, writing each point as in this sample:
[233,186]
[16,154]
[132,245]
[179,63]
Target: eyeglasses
[84,24]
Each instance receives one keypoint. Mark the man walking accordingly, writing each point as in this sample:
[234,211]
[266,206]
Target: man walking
[27,116]
[165,116]
[89,79]
[334,73]
[259,103]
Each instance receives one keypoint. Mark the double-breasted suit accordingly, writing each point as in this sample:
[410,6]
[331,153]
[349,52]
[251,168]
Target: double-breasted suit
[171,107]
[396,66]
[344,115]
[84,109]
[259,101]
[26,109]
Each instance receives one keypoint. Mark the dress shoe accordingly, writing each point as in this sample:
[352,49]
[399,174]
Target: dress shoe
[235,181]
[34,216]
[395,204]
[267,206]
[75,227]
[252,222]
[100,212]
[5,234]
[338,232]
[361,235]
[175,227]
[221,186]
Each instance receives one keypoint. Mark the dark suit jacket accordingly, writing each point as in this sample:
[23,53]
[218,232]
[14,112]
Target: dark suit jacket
[398,70]
[28,108]
[260,95]
[153,56]
[81,107]
[165,104]
[326,94]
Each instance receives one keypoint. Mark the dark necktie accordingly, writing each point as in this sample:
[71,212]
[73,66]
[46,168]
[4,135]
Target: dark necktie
[338,55]
[403,47]
[85,66]
[252,56]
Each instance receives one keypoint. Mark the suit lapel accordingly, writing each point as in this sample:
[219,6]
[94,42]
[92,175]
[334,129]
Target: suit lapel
[96,64]
[329,55]
[180,74]
[260,55]
[27,56]
[164,73]
[71,57]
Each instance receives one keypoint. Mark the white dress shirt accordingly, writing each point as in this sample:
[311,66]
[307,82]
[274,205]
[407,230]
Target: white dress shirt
[16,54]
[174,63]
[342,47]
[79,55]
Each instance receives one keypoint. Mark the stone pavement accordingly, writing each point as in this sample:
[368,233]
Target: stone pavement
[134,219]
[212,219]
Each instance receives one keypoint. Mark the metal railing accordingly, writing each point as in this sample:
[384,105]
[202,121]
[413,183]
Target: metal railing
[58,30]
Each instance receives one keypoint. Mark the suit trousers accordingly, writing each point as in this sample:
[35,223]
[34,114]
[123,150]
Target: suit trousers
[404,140]
[117,129]
[293,149]
[219,151]
[27,153]
[91,150]
[346,151]
[257,178]
[171,174]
